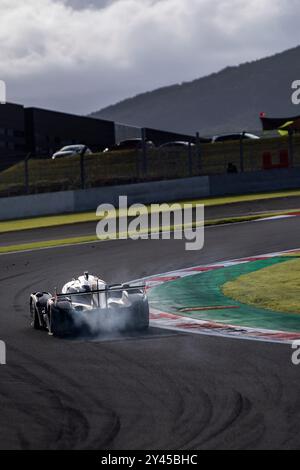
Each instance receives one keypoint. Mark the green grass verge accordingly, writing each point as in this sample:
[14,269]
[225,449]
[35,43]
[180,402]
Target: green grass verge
[203,292]
[69,219]
[273,288]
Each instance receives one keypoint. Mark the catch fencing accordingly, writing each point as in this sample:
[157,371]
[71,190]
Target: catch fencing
[40,174]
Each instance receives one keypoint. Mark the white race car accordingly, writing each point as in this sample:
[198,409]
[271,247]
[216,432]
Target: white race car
[88,306]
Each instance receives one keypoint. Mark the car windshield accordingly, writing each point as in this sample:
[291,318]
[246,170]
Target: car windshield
[73,148]
[176,144]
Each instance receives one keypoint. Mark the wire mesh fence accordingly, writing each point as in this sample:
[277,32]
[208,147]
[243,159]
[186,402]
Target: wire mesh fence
[30,175]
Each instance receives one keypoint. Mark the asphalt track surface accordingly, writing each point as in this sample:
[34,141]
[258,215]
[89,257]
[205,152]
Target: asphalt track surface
[160,391]
[211,213]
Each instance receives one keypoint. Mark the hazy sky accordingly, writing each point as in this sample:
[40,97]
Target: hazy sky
[79,56]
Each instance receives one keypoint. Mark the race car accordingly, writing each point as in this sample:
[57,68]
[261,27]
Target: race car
[88,306]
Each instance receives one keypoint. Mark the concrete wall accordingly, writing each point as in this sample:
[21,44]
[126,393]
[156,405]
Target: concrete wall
[89,199]
[260,181]
[38,204]
[145,193]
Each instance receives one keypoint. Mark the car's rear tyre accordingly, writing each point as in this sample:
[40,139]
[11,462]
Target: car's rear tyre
[62,320]
[138,314]
[35,321]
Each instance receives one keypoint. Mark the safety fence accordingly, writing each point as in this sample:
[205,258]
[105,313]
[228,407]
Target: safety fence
[31,175]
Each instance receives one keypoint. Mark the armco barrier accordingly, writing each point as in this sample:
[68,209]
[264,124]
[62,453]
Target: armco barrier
[146,193]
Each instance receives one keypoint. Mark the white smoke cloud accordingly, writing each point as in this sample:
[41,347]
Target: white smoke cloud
[80,55]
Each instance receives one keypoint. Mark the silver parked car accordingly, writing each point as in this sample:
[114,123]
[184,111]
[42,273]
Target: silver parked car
[237,136]
[71,151]
[177,144]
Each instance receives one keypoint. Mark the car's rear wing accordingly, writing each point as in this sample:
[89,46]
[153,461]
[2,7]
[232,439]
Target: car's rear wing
[107,289]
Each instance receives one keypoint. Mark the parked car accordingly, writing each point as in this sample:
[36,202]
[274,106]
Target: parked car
[178,144]
[130,144]
[71,151]
[237,136]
